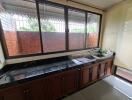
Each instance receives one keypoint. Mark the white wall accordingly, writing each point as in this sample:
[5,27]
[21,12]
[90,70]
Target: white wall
[74,53]
[118,33]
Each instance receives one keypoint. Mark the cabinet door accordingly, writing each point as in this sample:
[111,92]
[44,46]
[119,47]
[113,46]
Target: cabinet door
[33,90]
[102,69]
[1,95]
[1,98]
[55,87]
[45,86]
[95,70]
[109,67]
[85,73]
[13,93]
[70,81]
[52,87]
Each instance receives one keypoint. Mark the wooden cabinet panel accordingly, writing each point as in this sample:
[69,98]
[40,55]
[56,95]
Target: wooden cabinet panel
[95,69]
[13,93]
[33,90]
[1,98]
[105,68]
[54,85]
[49,88]
[109,67]
[28,91]
[1,95]
[60,84]
[84,76]
[45,86]
[102,69]
[70,81]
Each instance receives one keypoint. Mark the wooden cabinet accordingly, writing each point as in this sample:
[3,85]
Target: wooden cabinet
[105,68]
[59,84]
[70,81]
[84,76]
[95,70]
[13,93]
[28,91]
[33,90]
[52,87]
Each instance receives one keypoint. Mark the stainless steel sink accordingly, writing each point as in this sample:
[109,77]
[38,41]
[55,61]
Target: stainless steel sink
[86,59]
[102,57]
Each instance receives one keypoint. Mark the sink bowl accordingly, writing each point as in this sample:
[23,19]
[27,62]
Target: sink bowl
[107,55]
[86,59]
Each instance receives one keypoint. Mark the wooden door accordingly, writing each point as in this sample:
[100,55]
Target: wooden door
[55,86]
[45,87]
[109,67]
[102,69]
[95,70]
[1,98]
[1,95]
[84,76]
[52,87]
[70,81]
[33,90]
[12,93]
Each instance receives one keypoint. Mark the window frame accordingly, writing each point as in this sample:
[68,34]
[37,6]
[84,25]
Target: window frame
[100,23]
[66,7]
[115,73]
[82,11]
[39,19]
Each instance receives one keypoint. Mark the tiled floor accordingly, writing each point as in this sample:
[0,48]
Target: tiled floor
[102,90]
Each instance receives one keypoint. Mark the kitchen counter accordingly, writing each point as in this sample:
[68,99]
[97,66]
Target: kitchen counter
[18,76]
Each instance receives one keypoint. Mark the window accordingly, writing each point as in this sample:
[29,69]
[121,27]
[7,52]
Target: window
[20,27]
[46,28]
[76,29]
[93,24]
[53,28]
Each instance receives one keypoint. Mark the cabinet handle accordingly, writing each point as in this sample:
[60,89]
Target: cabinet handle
[27,94]
[26,91]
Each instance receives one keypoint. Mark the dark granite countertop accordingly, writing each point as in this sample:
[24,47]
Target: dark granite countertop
[22,75]
[25,74]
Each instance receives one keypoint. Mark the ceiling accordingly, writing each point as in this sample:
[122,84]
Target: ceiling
[19,3]
[102,4]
